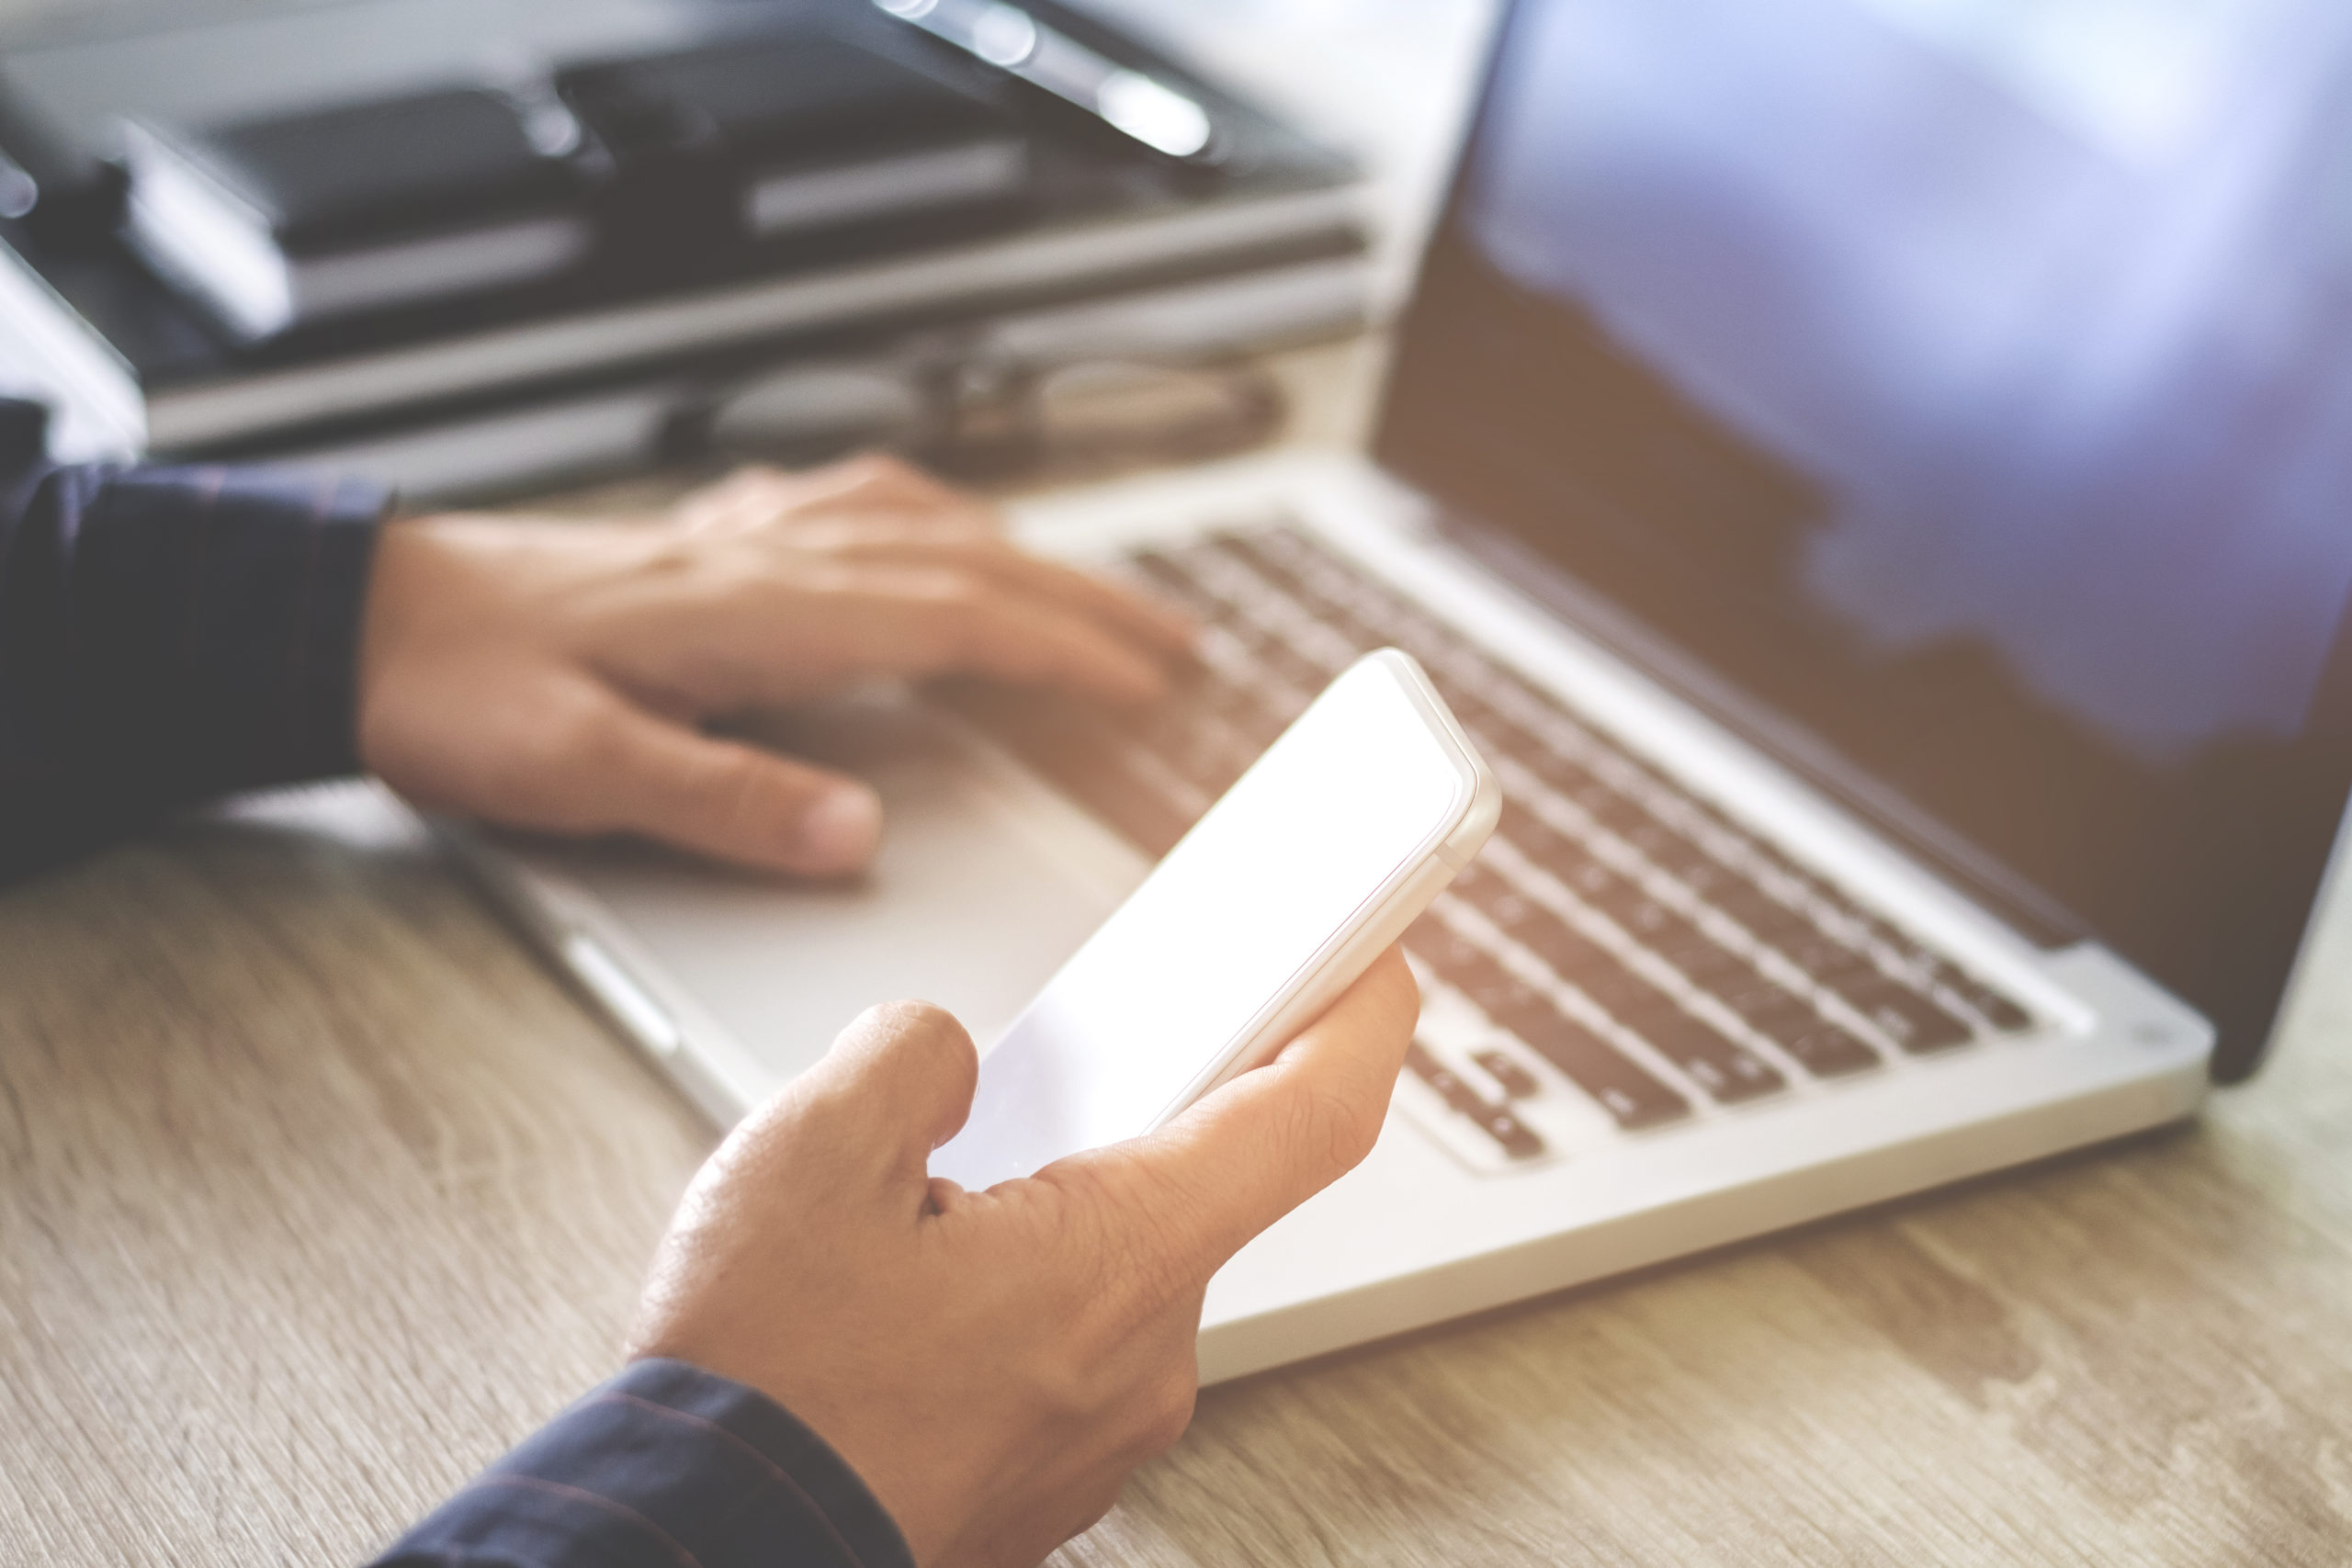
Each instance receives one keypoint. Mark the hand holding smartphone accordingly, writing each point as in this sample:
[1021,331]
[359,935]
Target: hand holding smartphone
[1276,902]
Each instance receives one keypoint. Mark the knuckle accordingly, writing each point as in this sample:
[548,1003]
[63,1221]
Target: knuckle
[960,613]
[963,592]
[945,593]
[876,468]
[974,522]
[749,482]
[1168,1408]
[1337,1126]
[1062,1390]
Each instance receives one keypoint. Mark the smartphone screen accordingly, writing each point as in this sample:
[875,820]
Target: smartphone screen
[1346,810]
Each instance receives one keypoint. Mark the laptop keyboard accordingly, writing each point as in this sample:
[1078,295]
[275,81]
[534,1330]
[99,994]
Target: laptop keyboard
[1621,946]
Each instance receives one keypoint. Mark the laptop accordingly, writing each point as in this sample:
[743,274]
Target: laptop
[1872,486]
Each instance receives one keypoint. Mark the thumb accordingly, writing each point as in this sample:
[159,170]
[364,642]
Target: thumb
[722,798]
[896,1084]
[1262,1145]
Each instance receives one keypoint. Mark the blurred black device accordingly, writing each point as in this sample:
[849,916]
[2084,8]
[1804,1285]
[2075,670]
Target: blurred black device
[211,264]
[288,220]
[291,219]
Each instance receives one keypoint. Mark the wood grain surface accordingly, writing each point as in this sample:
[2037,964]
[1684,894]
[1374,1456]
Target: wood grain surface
[316,1192]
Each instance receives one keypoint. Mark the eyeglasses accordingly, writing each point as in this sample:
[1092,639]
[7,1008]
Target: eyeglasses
[977,414]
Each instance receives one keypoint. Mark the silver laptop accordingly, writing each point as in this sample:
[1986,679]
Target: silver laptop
[1875,498]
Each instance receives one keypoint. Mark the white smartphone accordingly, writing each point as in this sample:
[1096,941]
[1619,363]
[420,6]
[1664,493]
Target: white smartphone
[1276,901]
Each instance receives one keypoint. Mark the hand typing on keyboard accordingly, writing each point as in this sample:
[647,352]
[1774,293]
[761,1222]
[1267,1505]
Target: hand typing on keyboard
[552,677]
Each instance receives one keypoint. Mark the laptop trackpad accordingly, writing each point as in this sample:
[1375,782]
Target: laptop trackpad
[984,882]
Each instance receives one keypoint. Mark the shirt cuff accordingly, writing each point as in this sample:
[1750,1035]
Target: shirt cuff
[223,607]
[665,1464]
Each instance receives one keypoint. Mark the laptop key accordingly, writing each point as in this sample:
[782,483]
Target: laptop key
[1859,983]
[1518,1140]
[1455,957]
[1999,1010]
[1650,922]
[1819,1046]
[1827,1051]
[1479,884]
[1562,774]
[1515,1081]
[1514,741]
[1728,1071]
[1910,1020]
[1501,995]
[1519,916]
[1166,577]
[1596,885]
[1468,968]
[1548,847]
[1624,994]
[1758,910]
[1821,958]
[1742,989]
[1623,1089]
[1787,1020]
[1476,716]
[1571,955]
[1662,846]
[1770,921]
[1270,565]
[1451,1085]
[1613,811]
[1293,668]
[1707,878]
[1697,957]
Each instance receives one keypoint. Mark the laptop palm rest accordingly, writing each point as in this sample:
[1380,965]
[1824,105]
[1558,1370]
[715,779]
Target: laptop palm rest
[984,882]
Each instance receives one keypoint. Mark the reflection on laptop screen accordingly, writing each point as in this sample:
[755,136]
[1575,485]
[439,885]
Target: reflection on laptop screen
[1970,381]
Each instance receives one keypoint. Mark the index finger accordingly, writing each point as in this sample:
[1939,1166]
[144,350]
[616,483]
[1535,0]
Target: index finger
[1114,604]
[1259,1146]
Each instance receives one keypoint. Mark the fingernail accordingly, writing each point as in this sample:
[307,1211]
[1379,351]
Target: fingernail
[838,831]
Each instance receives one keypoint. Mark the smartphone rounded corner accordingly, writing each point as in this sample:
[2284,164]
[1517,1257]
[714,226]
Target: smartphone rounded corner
[1482,808]
[1479,820]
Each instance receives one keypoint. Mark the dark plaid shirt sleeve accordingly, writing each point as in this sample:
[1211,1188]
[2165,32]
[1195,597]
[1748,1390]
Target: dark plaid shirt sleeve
[166,634]
[666,1466]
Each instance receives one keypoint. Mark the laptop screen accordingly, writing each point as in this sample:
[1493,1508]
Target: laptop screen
[1968,383]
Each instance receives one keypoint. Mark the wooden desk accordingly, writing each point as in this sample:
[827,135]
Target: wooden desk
[316,1192]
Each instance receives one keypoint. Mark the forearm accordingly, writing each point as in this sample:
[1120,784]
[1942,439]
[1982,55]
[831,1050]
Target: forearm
[665,1464]
[169,635]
